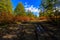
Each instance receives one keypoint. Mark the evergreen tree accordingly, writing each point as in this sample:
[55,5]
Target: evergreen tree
[5,10]
[5,6]
[9,6]
[30,14]
[49,6]
[19,10]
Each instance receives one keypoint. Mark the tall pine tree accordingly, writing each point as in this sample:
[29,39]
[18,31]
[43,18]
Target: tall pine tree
[6,6]
[5,10]
[19,10]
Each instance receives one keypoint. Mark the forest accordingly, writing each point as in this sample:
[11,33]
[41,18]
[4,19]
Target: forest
[49,10]
[8,15]
[17,24]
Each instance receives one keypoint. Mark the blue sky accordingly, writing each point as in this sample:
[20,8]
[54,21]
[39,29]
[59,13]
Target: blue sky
[31,5]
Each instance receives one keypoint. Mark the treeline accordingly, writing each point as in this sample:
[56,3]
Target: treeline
[8,15]
[49,10]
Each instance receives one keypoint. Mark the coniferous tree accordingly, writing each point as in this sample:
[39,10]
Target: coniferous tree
[9,6]
[19,10]
[31,15]
[6,6]
[5,10]
[49,6]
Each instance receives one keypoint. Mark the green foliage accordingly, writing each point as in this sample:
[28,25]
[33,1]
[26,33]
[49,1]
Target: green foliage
[19,10]
[49,7]
[30,14]
[5,6]
[35,16]
[49,4]
[9,6]
[41,14]
[5,11]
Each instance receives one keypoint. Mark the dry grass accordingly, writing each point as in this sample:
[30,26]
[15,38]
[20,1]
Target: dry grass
[9,36]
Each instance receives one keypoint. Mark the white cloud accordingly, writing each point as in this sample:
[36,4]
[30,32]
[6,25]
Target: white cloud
[31,8]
